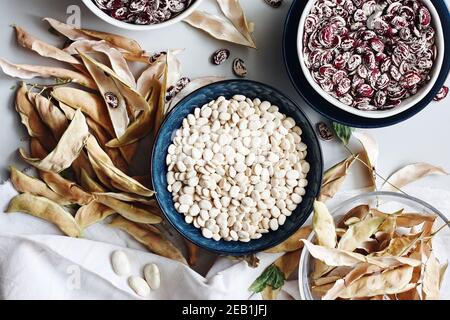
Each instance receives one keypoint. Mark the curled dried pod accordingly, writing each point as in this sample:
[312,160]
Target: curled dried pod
[220,56]
[239,68]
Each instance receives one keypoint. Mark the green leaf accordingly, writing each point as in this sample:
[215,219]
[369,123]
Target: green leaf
[272,276]
[343,132]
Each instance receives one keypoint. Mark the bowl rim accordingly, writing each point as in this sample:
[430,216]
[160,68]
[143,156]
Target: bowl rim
[152,159]
[378,114]
[129,26]
[303,279]
[328,110]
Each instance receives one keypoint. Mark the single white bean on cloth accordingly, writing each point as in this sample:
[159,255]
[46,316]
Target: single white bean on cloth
[237,169]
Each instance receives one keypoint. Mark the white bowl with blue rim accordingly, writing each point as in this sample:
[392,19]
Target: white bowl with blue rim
[406,103]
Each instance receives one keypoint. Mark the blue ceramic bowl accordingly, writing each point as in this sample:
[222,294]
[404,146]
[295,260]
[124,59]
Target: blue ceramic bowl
[173,122]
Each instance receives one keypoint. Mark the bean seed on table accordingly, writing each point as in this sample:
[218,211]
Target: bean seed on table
[239,168]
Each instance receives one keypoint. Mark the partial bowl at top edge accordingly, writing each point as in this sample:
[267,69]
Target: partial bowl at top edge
[129,26]
[173,122]
[405,104]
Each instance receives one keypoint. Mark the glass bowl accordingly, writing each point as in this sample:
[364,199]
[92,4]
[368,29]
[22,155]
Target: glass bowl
[388,202]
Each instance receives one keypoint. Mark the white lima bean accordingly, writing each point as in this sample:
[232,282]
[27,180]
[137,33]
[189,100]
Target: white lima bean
[139,285]
[152,275]
[120,263]
[237,168]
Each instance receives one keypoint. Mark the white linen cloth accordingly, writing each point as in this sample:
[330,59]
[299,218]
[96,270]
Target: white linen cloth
[37,262]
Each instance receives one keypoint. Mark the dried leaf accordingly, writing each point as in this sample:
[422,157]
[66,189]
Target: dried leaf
[388,282]
[359,212]
[233,11]
[90,104]
[26,184]
[31,120]
[45,209]
[108,173]
[323,225]
[28,41]
[217,27]
[67,150]
[195,84]
[359,232]
[67,189]
[25,71]
[154,241]
[370,153]
[431,279]
[293,243]
[92,213]
[410,173]
[334,178]
[128,210]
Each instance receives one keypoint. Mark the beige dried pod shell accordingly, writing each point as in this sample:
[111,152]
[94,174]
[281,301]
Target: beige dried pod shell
[46,209]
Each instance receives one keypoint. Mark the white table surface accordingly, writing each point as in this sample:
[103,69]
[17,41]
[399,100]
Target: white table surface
[421,138]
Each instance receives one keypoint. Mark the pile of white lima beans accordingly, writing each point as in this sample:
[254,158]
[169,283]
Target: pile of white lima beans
[237,169]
